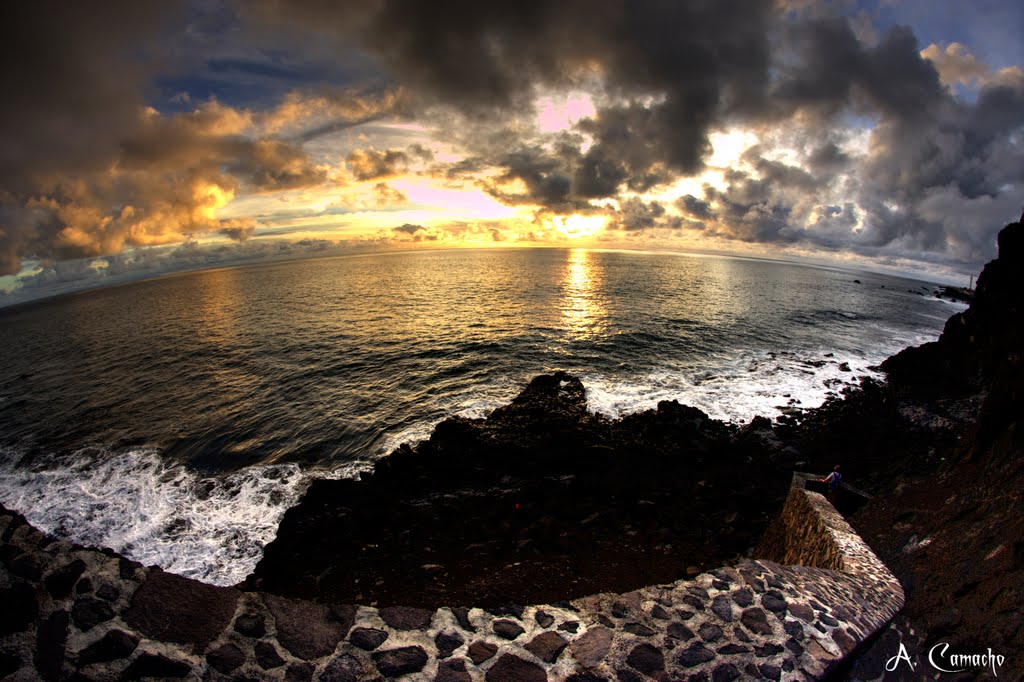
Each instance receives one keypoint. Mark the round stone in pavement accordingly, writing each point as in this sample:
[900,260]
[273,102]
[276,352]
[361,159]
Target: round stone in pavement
[250,625]
[481,651]
[226,658]
[768,649]
[647,659]
[267,656]
[447,643]
[114,645]
[802,611]
[755,620]
[507,629]
[306,629]
[710,632]
[168,607]
[345,668]
[726,672]
[638,629]
[547,646]
[695,655]
[398,662]
[155,665]
[89,612]
[299,672]
[462,616]
[775,604]
[60,582]
[544,619]
[743,597]
[733,649]
[679,631]
[721,605]
[453,671]
[367,639]
[511,668]
[590,649]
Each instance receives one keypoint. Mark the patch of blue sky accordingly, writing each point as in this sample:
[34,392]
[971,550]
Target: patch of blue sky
[993,30]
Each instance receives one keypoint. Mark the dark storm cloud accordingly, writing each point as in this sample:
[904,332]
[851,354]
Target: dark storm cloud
[699,59]
[833,67]
[73,77]
[674,71]
[828,158]
[85,169]
[409,228]
[694,207]
[239,234]
[635,214]
[972,152]
[370,164]
[543,175]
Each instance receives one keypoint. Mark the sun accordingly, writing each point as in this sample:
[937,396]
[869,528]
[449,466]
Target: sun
[578,226]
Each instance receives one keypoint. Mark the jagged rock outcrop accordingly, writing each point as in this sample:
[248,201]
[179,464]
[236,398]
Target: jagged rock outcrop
[542,500]
[953,536]
[982,343]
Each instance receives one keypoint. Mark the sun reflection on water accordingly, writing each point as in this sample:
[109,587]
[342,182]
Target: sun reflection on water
[583,311]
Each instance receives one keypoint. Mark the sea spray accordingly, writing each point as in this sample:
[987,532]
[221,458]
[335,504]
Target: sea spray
[156,511]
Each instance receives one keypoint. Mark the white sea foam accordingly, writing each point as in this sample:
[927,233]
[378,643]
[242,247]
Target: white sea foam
[157,512]
[735,392]
[737,389]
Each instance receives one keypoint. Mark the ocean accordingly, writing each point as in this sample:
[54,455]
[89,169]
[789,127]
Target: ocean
[175,420]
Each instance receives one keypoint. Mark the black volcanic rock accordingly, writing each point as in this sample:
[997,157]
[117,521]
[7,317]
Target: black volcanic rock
[20,608]
[951,533]
[984,340]
[114,645]
[169,607]
[540,501]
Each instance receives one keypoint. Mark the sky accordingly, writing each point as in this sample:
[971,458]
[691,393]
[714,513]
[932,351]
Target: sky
[143,138]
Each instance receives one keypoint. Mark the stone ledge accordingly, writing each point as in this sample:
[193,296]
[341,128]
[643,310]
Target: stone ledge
[103,617]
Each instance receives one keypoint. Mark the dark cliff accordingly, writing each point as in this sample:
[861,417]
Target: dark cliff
[954,535]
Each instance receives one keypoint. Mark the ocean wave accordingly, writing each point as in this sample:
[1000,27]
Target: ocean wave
[157,512]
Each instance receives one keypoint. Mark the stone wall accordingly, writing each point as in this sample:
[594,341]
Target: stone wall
[75,613]
[804,532]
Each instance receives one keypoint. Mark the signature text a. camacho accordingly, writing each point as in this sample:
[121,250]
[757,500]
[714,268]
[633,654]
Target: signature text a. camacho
[942,660]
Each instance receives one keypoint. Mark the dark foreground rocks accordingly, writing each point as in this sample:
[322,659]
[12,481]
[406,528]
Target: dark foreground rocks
[540,502]
[954,535]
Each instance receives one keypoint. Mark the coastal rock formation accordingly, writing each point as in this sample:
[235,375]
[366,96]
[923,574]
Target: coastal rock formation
[541,501]
[953,535]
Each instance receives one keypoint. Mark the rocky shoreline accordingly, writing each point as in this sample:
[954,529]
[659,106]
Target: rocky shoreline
[541,501]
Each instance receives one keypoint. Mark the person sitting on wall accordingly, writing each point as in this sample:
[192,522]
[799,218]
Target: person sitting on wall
[833,480]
